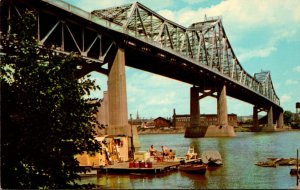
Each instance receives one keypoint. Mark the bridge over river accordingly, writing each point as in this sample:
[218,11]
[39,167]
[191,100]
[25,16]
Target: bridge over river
[134,35]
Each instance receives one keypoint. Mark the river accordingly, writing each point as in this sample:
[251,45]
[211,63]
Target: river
[239,171]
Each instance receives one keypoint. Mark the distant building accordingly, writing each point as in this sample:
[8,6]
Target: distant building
[183,121]
[161,122]
[150,124]
[296,116]
[298,108]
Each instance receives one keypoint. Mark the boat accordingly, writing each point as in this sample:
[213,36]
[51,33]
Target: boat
[211,158]
[266,164]
[191,154]
[193,168]
[294,170]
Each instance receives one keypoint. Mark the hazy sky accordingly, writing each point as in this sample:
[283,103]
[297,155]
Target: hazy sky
[265,35]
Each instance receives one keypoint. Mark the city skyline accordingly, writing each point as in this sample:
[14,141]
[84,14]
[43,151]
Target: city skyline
[263,34]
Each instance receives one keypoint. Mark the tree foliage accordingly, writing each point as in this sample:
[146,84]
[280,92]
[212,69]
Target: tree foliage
[287,117]
[45,117]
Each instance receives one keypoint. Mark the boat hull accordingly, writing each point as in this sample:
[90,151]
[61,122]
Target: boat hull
[212,158]
[194,169]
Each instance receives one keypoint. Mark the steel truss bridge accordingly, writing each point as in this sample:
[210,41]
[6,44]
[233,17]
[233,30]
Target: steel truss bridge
[200,55]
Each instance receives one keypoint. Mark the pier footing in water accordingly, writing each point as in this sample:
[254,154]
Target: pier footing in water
[209,131]
[195,132]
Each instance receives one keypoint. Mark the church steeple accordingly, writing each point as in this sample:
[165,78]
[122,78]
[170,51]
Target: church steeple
[137,115]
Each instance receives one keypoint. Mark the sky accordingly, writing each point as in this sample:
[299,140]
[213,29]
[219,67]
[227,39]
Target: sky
[265,35]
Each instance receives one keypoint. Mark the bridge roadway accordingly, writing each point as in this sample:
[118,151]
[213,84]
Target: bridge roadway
[135,36]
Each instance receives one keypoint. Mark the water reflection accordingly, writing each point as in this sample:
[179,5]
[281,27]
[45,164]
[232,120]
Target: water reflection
[239,156]
[196,181]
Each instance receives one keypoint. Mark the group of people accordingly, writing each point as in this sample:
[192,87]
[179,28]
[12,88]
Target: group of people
[165,152]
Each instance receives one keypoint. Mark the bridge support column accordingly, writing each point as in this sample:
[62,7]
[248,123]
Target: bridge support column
[280,121]
[117,99]
[222,129]
[194,108]
[270,125]
[194,130]
[255,119]
[222,107]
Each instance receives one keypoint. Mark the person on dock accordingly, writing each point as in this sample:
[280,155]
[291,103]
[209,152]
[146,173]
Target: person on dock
[171,154]
[152,150]
[164,150]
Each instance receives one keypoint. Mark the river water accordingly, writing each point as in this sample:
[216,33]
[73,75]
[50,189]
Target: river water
[239,155]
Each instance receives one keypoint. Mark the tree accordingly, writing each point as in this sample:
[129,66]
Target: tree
[45,119]
[287,117]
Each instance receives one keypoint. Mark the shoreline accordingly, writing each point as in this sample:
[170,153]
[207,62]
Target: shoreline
[182,131]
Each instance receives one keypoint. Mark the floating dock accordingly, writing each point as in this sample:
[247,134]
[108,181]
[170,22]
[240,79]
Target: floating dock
[157,167]
[123,167]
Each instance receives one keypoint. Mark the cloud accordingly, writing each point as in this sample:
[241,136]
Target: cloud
[255,29]
[285,98]
[90,5]
[168,14]
[147,92]
[254,13]
[162,99]
[291,82]
[191,2]
[263,52]
[261,23]
[297,68]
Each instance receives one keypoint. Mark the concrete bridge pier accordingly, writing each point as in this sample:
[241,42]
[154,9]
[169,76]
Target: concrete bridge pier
[255,117]
[194,130]
[270,125]
[279,119]
[223,129]
[280,122]
[222,107]
[117,100]
[255,126]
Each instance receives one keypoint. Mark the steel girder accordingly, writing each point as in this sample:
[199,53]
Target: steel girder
[64,35]
[204,42]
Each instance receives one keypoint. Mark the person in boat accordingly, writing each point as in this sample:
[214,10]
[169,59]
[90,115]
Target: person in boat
[152,150]
[171,154]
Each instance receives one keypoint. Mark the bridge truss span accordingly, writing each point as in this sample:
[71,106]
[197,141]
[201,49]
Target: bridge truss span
[191,54]
[203,43]
[133,35]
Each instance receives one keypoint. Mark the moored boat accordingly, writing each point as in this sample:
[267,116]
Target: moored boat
[294,170]
[211,158]
[193,168]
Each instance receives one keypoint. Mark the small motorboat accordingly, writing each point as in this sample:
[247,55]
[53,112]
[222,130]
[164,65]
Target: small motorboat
[294,170]
[191,154]
[193,168]
[211,158]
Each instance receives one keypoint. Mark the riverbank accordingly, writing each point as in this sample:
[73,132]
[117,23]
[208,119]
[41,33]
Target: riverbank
[160,131]
[181,131]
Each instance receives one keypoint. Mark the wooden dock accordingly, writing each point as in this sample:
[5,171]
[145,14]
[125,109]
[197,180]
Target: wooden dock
[157,167]
[123,167]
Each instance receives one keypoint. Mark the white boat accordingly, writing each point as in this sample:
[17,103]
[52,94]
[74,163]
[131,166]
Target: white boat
[212,158]
[191,154]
